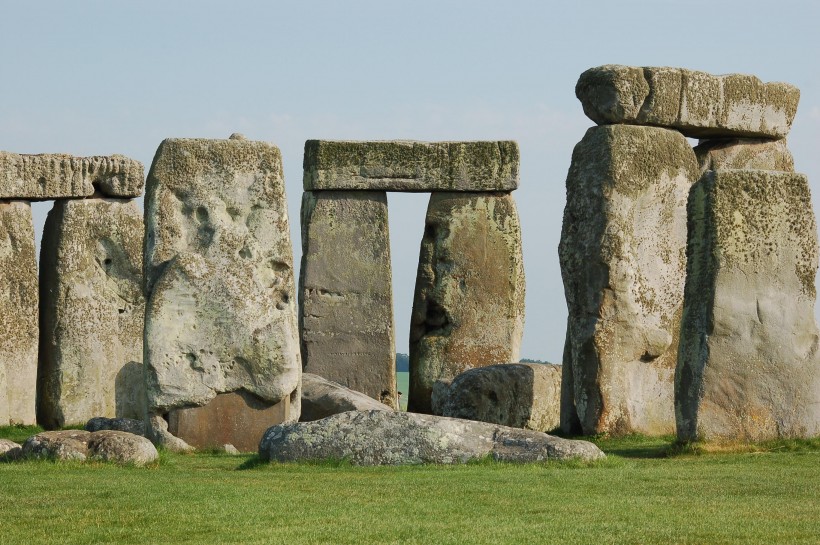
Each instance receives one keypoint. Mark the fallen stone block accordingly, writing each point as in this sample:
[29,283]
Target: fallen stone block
[130,425]
[403,165]
[397,438]
[698,104]
[468,309]
[92,312]
[19,328]
[322,398]
[60,176]
[748,367]
[346,294]
[622,255]
[744,154]
[9,450]
[518,395]
[78,445]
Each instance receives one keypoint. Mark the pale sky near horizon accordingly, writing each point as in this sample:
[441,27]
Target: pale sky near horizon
[97,77]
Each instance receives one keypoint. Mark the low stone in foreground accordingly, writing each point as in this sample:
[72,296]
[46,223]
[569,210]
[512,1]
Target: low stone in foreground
[322,398]
[696,103]
[107,446]
[398,438]
[9,450]
[403,165]
[519,395]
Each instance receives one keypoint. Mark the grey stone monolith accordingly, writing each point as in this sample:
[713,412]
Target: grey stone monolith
[748,366]
[91,313]
[60,176]
[403,165]
[468,309]
[698,104]
[19,328]
[220,299]
[345,290]
[622,255]
[744,153]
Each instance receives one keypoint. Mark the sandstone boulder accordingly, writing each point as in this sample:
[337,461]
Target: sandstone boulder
[79,445]
[622,256]
[19,328]
[744,153]
[157,432]
[411,166]
[9,450]
[129,425]
[92,312]
[322,398]
[220,304]
[518,395]
[696,103]
[398,438]
[345,290]
[58,445]
[58,176]
[748,366]
[468,309]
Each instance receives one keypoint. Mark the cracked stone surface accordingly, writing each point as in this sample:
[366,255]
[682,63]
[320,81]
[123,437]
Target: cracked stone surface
[91,313]
[748,366]
[468,309]
[220,301]
[346,294]
[698,104]
[623,259]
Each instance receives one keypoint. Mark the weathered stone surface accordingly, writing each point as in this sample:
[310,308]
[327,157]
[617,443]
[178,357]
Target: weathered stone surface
[322,398]
[468,309]
[9,450]
[748,366]
[403,165]
[157,432]
[19,328]
[106,446]
[238,418]
[744,153]
[121,447]
[622,255]
[345,290]
[518,395]
[99,423]
[398,438]
[220,302]
[59,176]
[91,313]
[695,103]
[4,399]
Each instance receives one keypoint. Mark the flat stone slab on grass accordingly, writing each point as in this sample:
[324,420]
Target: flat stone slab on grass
[322,398]
[61,176]
[403,165]
[107,446]
[398,438]
[696,103]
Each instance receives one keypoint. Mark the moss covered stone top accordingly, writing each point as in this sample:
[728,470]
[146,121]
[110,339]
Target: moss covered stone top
[696,103]
[60,176]
[411,166]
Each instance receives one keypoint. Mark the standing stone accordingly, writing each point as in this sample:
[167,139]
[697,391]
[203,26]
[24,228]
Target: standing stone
[698,104]
[748,366]
[468,309]
[91,313]
[345,290]
[622,255]
[18,312]
[745,154]
[220,306]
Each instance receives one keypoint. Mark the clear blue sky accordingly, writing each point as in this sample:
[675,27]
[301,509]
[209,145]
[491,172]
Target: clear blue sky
[94,78]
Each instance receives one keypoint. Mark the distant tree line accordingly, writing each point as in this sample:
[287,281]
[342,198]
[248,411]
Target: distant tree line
[403,362]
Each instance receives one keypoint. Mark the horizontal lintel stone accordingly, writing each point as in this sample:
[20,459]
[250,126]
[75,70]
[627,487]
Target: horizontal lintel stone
[410,166]
[60,176]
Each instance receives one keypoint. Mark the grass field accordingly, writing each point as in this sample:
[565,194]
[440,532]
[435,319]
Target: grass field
[771,495]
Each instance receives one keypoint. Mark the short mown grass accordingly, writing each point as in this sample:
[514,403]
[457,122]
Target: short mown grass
[647,491]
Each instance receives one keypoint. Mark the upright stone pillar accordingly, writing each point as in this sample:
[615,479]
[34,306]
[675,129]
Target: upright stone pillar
[18,313]
[468,309]
[622,255]
[345,290]
[91,313]
[220,314]
[748,366]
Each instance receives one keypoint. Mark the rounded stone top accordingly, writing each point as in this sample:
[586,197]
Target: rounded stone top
[237,136]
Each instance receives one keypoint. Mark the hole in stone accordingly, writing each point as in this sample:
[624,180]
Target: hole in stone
[202,214]
[121,310]
[107,261]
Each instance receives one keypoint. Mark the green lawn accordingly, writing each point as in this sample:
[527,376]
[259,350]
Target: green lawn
[635,496]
